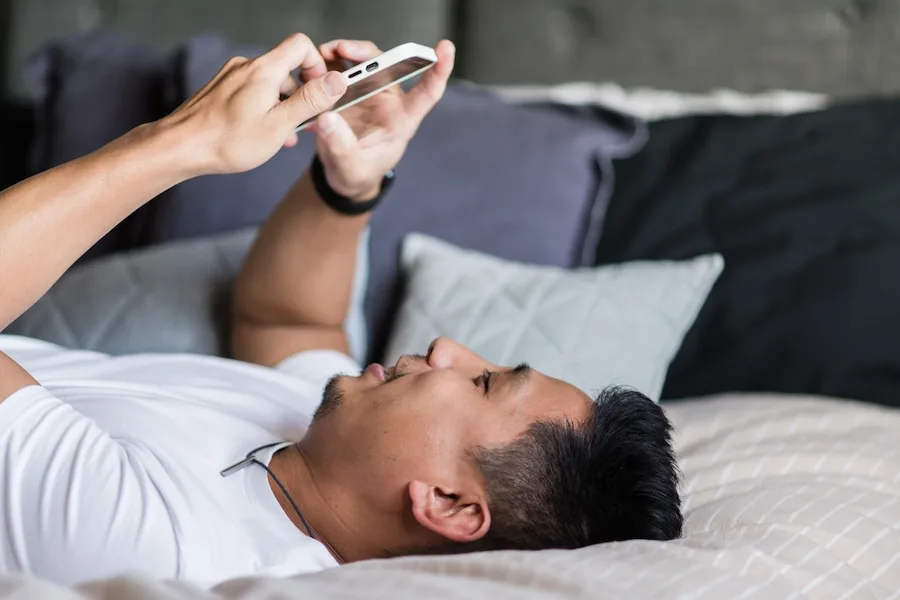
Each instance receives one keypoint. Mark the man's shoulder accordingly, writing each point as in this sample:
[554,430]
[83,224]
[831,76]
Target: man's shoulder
[13,377]
[315,361]
[316,367]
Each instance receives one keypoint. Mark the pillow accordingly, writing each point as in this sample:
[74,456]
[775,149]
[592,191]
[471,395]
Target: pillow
[217,203]
[653,104]
[89,90]
[616,325]
[527,183]
[522,182]
[172,298]
[804,210]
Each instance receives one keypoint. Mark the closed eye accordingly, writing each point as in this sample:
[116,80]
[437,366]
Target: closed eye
[484,380]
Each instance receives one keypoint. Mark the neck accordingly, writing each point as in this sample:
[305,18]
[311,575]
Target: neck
[323,508]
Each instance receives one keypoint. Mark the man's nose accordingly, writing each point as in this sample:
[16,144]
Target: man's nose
[444,353]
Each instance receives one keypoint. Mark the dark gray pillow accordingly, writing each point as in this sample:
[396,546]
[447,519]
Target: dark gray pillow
[525,183]
[89,90]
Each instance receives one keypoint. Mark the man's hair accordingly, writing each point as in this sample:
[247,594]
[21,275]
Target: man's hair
[561,485]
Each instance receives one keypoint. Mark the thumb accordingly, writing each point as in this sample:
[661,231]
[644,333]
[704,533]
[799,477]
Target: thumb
[335,137]
[313,98]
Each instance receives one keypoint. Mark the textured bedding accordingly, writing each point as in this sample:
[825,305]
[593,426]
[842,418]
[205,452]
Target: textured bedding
[785,497]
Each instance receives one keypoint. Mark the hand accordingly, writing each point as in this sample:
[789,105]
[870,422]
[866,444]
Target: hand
[238,122]
[358,146]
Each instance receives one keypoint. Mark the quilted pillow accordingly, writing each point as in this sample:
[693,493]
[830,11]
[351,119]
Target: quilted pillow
[169,298]
[614,325]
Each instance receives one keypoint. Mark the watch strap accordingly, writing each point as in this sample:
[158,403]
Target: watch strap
[342,204]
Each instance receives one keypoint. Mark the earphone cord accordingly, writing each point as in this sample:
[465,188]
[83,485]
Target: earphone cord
[284,491]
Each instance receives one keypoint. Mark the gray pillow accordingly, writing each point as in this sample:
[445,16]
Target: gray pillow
[528,183]
[525,183]
[171,298]
[614,325]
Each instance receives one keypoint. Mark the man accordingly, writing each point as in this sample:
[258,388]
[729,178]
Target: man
[165,465]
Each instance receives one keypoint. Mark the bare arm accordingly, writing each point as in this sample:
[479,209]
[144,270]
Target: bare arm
[48,221]
[294,290]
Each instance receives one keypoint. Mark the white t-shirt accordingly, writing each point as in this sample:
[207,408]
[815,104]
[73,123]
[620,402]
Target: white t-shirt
[113,465]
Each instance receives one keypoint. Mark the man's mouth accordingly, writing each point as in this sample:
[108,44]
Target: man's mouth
[378,371]
[382,373]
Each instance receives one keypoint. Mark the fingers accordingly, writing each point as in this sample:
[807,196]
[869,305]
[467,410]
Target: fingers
[230,65]
[355,51]
[334,137]
[422,98]
[289,86]
[296,51]
[311,99]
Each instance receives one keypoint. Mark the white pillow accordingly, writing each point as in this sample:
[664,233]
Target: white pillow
[652,105]
[611,325]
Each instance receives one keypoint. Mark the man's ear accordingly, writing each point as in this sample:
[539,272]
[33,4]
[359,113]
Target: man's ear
[458,517]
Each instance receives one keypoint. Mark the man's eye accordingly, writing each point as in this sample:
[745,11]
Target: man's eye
[486,380]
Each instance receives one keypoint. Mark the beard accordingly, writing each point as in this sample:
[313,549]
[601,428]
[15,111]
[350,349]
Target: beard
[332,398]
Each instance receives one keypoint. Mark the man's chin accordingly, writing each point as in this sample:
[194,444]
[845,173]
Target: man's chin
[332,397]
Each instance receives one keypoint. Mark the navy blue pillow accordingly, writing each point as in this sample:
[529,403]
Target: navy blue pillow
[527,183]
[89,90]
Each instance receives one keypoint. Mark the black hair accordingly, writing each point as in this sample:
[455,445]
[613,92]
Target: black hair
[561,485]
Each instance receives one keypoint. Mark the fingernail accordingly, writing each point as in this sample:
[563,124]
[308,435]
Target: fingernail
[327,124]
[334,84]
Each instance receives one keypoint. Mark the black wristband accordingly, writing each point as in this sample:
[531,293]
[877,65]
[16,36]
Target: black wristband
[342,204]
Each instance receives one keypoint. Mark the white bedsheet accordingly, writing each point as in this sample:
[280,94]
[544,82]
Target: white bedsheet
[785,497]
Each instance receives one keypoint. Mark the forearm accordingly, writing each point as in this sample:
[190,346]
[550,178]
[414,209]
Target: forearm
[300,271]
[48,221]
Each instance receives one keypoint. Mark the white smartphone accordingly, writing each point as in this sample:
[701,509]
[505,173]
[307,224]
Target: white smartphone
[378,74]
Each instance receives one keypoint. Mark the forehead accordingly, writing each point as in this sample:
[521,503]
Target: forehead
[548,398]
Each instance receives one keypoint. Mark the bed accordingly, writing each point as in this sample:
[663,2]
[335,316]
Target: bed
[785,497]
[784,391]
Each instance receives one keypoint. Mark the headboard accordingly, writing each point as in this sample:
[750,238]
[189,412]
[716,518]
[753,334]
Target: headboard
[259,22]
[838,47]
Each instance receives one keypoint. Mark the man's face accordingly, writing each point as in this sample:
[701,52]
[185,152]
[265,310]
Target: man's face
[421,418]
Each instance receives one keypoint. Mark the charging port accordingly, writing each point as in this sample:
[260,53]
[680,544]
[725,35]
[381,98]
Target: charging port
[372,67]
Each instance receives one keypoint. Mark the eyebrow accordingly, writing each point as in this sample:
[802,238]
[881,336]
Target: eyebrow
[520,374]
